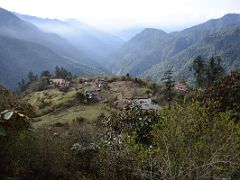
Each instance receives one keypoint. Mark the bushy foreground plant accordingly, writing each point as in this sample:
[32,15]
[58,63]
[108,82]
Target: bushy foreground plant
[193,141]
[197,142]
[190,142]
[46,153]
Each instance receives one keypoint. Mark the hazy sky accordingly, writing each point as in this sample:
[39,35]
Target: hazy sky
[116,14]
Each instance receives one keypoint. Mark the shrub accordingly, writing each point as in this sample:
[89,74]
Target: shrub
[46,153]
[190,142]
[227,92]
[196,142]
[63,88]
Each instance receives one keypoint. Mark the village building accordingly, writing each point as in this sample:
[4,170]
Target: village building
[59,82]
[181,87]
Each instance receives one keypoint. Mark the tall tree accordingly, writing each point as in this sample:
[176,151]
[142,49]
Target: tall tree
[57,71]
[169,84]
[199,71]
[22,85]
[207,73]
[46,74]
[63,73]
[32,77]
[215,71]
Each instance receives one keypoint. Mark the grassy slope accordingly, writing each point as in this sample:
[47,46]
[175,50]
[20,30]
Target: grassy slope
[90,112]
[53,106]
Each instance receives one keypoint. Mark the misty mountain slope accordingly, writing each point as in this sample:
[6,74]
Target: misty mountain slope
[154,48]
[225,44]
[18,57]
[189,36]
[24,48]
[13,27]
[140,53]
[89,40]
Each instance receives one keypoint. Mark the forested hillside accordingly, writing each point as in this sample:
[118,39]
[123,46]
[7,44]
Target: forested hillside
[153,51]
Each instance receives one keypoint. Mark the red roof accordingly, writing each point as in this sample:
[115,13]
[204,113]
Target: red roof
[181,86]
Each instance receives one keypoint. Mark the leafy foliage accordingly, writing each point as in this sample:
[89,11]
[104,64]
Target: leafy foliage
[133,120]
[227,92]
[196,142]
[45,74]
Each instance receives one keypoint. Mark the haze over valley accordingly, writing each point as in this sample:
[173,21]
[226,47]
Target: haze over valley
[35,44]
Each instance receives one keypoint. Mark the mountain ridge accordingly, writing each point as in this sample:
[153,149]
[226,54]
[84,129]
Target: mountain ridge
[26,48]
[153,48]
[95,43]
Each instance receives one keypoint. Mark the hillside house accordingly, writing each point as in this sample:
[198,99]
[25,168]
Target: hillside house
[59,82]
[181,87]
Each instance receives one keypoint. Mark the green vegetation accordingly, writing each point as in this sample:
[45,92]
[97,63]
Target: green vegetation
[67,115]
[107,127]
[73,138]
[207,73]
[186,142]
[62,73]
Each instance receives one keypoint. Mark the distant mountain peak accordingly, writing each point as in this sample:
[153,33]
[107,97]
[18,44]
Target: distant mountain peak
[153,30]
[231,15]
[149,33]
[153,51]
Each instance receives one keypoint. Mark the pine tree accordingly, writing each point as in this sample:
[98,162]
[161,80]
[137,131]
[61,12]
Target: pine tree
[206,74]
[215,71]
[32,77]
[169,84]
[199,69]
[46,74]
[22,85]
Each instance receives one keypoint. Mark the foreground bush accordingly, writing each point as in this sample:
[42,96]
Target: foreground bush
[46,153]
[192,141]
[197,142]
